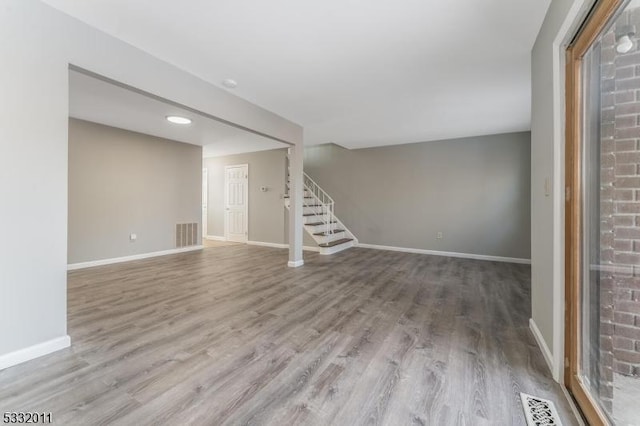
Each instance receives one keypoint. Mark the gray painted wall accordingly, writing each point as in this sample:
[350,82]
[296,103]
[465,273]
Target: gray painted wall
[542,167]
[121,182]
[39,43]
[266,209]
[476,191]
[547,161]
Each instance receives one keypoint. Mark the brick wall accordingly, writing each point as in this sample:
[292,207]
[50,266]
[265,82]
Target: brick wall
[620,210]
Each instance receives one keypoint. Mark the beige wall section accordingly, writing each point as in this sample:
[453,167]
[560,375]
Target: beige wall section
[476,191]
[121,182]
[266,209]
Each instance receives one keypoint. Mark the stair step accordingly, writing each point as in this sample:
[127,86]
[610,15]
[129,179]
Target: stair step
[319,223]
[326,234]
[335,243]
[286,196]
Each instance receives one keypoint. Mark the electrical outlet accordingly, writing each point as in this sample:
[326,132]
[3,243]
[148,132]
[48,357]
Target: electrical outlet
[439,236]
[133,237]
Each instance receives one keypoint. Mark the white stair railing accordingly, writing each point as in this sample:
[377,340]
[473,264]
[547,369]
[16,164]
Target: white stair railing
[318,198]
[321,198]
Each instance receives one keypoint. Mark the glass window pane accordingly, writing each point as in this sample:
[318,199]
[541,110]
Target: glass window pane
[610,362]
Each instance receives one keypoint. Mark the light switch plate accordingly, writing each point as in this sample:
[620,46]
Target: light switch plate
[547,187]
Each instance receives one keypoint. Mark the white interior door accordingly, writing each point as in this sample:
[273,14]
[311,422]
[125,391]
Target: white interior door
[237,203]
[205,199]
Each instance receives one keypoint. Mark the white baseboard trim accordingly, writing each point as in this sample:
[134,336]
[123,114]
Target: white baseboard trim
[548,356]
[35,351]
[447,253]
[101,262]
[280,246]
[265,244]
[295,264]
[215,238]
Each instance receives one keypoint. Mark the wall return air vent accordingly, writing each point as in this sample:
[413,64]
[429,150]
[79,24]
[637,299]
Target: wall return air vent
[186,234]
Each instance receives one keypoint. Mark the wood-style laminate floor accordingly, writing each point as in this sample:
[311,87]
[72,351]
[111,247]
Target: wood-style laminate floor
[216,243]
[230,335]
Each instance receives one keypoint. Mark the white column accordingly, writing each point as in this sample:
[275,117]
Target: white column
[295,209]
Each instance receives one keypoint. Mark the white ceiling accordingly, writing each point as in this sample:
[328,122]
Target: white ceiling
[95,100]
[353,72]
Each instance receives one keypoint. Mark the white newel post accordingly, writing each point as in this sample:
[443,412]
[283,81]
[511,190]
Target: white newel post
[295,210]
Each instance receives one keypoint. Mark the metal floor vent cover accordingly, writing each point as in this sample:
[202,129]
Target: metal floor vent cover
[539,412]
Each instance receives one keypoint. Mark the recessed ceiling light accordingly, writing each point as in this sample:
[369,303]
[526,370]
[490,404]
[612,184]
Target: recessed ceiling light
[176,119]
[230,83]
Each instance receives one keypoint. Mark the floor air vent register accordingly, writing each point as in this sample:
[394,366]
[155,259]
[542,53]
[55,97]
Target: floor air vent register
[539,412]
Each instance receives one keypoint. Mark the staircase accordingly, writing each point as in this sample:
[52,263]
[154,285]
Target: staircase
[319,219]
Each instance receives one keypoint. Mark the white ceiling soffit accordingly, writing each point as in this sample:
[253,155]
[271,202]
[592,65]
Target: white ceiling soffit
[354,72]
[101,102]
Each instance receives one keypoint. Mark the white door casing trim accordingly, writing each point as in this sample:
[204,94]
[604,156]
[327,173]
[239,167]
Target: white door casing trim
[205,201]
[576,15]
